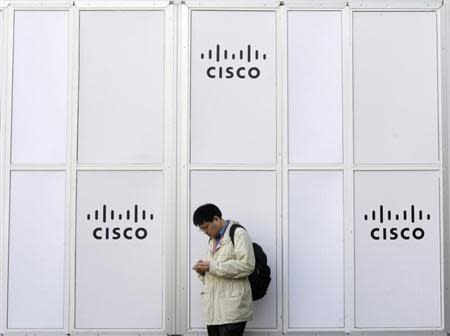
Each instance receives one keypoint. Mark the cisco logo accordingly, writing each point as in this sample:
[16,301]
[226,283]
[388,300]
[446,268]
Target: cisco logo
[388,226]
[240,71]
[115,232]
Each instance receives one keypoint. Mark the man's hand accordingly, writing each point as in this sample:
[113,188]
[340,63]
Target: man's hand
[201,267]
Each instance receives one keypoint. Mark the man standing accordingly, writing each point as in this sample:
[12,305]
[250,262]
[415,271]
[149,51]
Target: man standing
[227,297]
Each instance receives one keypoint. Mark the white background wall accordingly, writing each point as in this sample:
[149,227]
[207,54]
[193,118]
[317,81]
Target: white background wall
[345,115]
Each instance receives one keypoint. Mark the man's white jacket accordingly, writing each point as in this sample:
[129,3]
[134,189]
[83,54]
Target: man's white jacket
[227,296]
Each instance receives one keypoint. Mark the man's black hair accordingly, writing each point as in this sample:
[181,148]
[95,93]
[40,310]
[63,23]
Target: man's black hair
[206,213]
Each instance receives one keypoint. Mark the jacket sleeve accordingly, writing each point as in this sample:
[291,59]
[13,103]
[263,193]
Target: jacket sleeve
[244,263]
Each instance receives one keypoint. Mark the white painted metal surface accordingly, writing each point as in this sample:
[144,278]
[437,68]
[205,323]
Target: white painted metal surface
[36,250]
[167,321]
[121,87]
[316,249]
[39,102]
[395,93]
[397,249]
[258,159]
[2,149]
[233,87]
[119,250]
[315,86]
[176,273]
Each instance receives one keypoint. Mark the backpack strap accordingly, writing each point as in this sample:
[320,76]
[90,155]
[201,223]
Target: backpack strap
[232,229]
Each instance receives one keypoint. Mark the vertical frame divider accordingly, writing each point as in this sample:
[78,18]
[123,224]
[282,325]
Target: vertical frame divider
[349,253]
[284,315]
[444,161]
[281,55]
[169,249]
[7,68]
[183,168]
[442,101]
[69,172]
[3,106]
[74,66]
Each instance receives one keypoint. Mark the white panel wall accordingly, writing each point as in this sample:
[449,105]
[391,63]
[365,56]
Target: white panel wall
[316,249]
[119,277]
[395,87]
[39,101]
[250,198]
[315,87]
[2,43]
[397,273]
[233,120]
[120,256]
[121,98]
[36,250]
[121,280]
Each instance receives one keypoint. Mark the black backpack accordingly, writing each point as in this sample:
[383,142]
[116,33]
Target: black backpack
[260,278]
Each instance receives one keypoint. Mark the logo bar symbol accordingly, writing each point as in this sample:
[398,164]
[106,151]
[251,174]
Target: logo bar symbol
[134,216]
[249,53]
[397,216]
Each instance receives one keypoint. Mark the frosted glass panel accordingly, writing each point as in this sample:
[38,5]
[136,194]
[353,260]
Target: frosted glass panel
[316,250]
[395,87]
[39,99]
[315,86]
[36,250]
[121,99]
[119,250]
[234,193]
[397,250]
[233,87]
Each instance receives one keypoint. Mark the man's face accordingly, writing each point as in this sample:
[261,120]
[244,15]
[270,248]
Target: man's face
[212,228]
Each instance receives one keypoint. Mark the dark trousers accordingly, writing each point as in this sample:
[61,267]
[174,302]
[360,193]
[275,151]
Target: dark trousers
[230,329]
